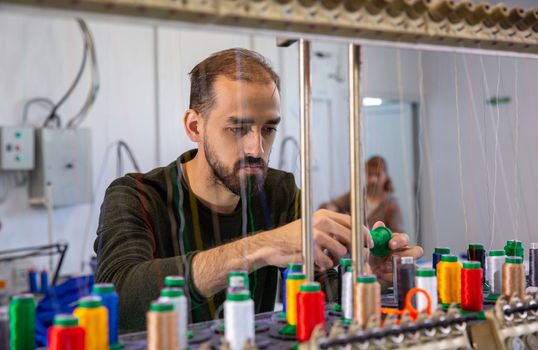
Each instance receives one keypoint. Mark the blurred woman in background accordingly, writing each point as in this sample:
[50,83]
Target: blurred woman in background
[381,205]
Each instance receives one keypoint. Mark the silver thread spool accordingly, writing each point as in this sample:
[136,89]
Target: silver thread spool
[494,265]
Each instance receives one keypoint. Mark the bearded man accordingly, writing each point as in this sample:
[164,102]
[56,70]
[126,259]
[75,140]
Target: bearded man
[219,208]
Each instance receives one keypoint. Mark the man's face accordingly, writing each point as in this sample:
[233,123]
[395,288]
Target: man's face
[239,132]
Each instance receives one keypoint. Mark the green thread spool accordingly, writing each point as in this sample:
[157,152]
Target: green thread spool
[22,322]
[381,237]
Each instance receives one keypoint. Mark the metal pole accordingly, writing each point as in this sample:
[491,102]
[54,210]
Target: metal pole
[356,174]
[305,96]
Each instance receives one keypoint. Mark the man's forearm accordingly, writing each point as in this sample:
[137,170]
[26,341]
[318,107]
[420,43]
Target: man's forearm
[212,267]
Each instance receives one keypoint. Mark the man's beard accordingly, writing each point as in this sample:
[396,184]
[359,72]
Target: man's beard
[252,184]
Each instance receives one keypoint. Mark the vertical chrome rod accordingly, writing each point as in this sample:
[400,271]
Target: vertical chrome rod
[356,173]
[305,96]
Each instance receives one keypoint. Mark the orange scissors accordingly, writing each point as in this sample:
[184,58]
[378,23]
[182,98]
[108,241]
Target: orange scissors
[413,313]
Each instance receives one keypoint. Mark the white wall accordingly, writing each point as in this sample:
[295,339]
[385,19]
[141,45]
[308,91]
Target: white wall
[40,57]
[499,188]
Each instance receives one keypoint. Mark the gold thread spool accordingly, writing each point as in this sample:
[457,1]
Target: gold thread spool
[367,300]
[497,14]
[330,4]
[439,11]
[478,14]
[449,279]
[529,20]
[514,17]
[416,8]
[374,7]
[161,326]
[397,7]
[464,9]
[513,277]
[307,3]
[353,5]
[460,11]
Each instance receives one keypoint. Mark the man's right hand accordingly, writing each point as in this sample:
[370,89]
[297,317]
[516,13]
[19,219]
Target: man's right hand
[332,235]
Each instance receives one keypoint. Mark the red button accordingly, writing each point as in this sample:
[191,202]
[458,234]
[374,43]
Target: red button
[17,148]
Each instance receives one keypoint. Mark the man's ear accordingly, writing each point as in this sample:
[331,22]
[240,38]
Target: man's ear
[193,123]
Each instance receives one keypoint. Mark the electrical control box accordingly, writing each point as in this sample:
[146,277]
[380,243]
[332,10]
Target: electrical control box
[63,168]
[16,148]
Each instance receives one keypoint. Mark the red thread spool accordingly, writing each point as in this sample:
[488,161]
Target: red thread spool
[66,334]
[472,298]
[310,310]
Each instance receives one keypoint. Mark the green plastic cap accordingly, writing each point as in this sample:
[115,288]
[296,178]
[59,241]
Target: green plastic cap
[238,273]
[476,246]
[295,267]
[25,298]
[174,281]
[471,265]
[425,273]
[240,295]
[235,278]
[381,237]
[449,258]
[514,260]
[296,276]
[514,243]
[496,253]
[366,279]
[349,269]
[65,320]
[345,262]
[310,287]
[90,302]
[103,288]
[514,248]
[172,292]
[161,306]
[442,250]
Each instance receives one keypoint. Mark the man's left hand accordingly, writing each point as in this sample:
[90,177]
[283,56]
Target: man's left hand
[399,245]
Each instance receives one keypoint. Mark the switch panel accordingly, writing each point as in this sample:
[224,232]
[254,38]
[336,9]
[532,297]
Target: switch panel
[63,162]
[17,148]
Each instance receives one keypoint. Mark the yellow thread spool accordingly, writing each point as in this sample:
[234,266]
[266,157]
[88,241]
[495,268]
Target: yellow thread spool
[93,317]
[449,279]
[293,285]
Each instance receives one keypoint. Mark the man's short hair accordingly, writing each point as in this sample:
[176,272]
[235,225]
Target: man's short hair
[234,64]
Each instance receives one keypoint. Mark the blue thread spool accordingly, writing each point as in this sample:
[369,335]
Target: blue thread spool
[32,281]
[44,277]
[436,258]
[110,301]
[292,267]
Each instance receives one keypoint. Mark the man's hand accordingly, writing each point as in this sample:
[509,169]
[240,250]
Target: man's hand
[332,240]
[399,245]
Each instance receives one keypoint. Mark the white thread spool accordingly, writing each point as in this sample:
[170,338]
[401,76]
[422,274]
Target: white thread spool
[238,280]
[426,279]
[347,294]
[238,319]
[494,266]
[176,296]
